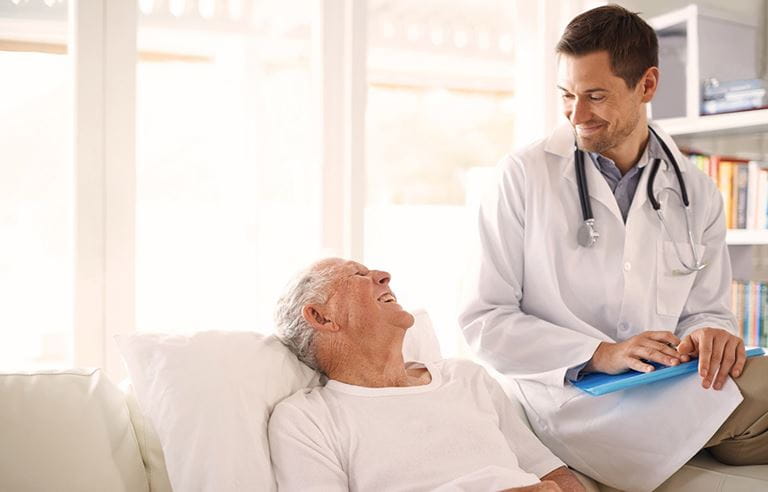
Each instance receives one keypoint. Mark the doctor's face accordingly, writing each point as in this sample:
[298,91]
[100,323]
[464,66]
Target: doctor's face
[603,111]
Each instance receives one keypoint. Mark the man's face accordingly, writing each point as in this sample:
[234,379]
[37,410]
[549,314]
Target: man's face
[361,298]
[601,108]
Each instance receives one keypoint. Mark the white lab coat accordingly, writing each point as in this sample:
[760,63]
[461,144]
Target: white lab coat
[539,304]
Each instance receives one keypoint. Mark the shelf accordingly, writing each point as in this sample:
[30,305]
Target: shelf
[737,237]
[743,122]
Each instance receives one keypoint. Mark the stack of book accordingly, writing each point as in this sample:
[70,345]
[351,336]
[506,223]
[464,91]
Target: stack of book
[744,186]
[737,95]
[750,305]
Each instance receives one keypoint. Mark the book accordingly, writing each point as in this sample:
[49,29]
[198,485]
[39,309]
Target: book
[741,179]
[597,384]
[714,88]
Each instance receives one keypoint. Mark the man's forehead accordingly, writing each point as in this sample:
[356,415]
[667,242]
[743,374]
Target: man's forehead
[336,265]
[591,71]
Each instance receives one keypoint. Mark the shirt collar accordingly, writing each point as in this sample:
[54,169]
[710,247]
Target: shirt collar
[653,150]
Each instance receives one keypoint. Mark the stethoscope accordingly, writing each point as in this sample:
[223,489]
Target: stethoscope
[587,235]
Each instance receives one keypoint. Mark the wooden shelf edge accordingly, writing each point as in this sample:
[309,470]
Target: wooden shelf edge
[743,121]
[739,237]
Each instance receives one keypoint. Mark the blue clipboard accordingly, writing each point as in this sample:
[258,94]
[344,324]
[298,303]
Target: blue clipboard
[597,383]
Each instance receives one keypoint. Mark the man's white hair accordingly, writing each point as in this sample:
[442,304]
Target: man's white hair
[308,287]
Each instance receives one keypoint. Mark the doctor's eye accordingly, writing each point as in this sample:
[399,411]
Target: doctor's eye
[596,98]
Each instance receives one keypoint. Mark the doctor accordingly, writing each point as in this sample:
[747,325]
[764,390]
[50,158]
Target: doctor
[569,283]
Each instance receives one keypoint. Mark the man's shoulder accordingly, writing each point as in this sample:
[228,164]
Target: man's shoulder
[306,401]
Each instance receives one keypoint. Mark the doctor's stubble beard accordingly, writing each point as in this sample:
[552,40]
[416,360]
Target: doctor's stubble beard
[600,143]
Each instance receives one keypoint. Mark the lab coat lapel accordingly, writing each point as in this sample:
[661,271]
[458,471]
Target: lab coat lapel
[561,143]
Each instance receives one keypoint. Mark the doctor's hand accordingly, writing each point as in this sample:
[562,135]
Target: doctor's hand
[654,346]
[720,353]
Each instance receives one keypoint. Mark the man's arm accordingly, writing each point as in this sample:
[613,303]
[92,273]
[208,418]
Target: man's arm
[301,457]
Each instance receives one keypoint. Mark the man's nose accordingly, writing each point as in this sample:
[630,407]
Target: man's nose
[580,112]
[381,278]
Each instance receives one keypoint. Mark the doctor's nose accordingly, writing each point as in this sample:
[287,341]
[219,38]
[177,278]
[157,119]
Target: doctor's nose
[381,278]
[579,112]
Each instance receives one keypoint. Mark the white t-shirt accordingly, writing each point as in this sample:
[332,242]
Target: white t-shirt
[458,432]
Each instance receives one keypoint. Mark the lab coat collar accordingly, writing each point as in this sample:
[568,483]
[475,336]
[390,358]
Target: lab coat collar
[561,143]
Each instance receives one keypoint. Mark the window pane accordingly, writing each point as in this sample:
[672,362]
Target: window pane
[36,187]
[439,117]
[227,176]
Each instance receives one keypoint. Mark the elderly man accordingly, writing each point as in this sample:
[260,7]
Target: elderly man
[380,423]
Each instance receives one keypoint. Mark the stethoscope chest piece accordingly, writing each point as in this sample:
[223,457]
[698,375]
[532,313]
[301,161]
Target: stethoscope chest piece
[587,235]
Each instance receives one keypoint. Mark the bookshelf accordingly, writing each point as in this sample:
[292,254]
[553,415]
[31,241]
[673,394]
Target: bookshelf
[719,125]
[746,237]
[696,44]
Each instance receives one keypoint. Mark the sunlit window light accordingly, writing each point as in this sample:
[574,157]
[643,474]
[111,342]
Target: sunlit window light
[414,33]
[388,29]
[484,40]
[505,43]
[146,6]
[437,36]
[177,7]
[206,8]
[235,9]
[50,3]
[460,39]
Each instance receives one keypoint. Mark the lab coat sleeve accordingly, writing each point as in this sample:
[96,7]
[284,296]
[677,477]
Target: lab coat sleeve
[302,458]
[497,329]
[708,304]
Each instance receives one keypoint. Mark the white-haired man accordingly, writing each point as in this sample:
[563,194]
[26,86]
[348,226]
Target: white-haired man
[380,423]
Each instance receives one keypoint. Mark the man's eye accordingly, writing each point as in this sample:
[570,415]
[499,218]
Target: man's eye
[596,98]
[566,96]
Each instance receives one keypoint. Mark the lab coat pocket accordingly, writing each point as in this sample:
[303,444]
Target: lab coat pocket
[673,282]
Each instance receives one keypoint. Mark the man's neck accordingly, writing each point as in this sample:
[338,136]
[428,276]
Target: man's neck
[371,368]
[627,153]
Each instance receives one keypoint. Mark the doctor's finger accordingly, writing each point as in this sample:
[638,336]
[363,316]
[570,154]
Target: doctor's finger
[638,365]
[728,361]
[705,353]
[662,336]
[741,358]
[664,349]
[715,360]
[651,353]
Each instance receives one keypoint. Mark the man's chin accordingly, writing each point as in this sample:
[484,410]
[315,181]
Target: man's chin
[407,320]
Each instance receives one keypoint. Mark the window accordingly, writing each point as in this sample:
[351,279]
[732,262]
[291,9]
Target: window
[227,170]
[439,116]
[36,186]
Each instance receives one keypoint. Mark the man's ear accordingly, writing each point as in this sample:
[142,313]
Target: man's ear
[313,314]
[649,82]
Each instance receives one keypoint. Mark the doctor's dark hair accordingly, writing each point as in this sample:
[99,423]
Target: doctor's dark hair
[630,42]
[308,287]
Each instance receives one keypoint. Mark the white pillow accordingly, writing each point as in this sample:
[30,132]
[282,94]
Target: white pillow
[209,397]
[176,381]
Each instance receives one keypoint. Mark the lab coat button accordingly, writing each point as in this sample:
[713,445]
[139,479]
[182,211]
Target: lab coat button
[623,326]
[627,266]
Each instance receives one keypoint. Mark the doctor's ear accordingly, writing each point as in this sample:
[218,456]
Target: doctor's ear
[313,314]
[649,83]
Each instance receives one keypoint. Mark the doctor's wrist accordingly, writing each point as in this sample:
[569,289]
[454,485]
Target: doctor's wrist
[598,361]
